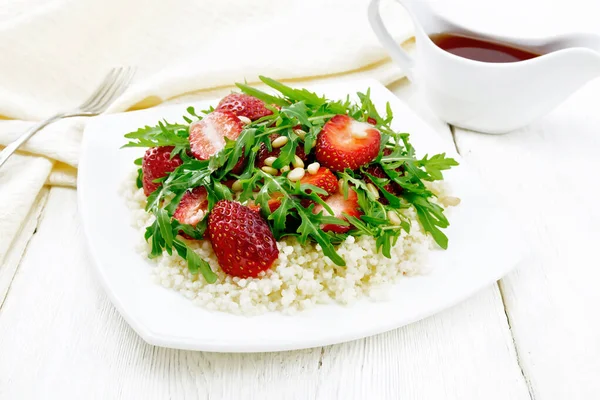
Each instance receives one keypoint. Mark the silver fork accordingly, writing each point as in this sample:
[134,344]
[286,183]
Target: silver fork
[113,85]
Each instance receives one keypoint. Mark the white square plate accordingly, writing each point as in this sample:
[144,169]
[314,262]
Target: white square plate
[483,247]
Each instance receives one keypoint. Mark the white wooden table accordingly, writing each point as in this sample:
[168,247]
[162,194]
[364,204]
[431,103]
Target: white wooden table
[534,335]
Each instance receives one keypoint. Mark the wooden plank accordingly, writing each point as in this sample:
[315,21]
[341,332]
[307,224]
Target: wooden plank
[548,175]
[10,264]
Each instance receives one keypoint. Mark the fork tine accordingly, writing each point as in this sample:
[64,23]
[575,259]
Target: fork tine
[120,84]
[110,77]
[107,92]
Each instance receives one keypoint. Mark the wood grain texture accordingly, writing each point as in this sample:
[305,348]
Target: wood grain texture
[58,329]
[548,174]
[10,264]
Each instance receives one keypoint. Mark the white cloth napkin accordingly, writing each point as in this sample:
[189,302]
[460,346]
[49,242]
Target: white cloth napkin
[54,54]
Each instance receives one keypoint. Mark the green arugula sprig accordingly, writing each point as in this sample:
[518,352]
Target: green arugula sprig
[293,108]
[163,134]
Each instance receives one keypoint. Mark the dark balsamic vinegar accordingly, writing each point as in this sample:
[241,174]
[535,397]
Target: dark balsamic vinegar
[480,50]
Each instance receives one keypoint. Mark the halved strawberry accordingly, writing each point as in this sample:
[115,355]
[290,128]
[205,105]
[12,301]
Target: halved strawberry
[340,205]
[192,207]
[241,239]
[324,178]
[207,136]
[346,143]
[263,153]
[156,164]
[244,105]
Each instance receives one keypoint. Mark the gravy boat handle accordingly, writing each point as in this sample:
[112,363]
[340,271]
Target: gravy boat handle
[396,51]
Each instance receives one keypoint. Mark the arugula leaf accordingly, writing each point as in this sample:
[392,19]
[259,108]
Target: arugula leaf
[436,164]
[311,138]
[259,94]
[298,111]
[287,153]
[163,134]
[311,226]
[389,115]
[192,111]
[368,108]
[139,180]
[195,263]
[295,95]
[431,216]
[164,224]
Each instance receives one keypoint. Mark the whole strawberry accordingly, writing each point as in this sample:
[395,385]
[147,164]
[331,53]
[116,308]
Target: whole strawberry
[346,143]
[241,239]
[156,164]
[244,105]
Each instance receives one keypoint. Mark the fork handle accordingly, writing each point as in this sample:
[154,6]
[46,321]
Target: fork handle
[13,146]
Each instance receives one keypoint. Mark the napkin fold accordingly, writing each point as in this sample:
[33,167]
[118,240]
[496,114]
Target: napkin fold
[55,53]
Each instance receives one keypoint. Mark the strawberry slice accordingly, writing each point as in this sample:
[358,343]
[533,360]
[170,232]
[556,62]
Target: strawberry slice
[207,136]
[340,205]
[324,178]
[273,203]
[244,105]
[241,239]
[156,164]
[192,207]
[346,143]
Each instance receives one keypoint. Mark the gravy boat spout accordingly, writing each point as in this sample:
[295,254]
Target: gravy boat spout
[484,96]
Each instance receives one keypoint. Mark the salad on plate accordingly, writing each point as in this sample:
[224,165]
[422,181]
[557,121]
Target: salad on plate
[283,201]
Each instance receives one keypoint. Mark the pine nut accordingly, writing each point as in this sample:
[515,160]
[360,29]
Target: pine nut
[270,170]
[450,201]
[394,218]
[279,142]
[341,186]
[237,186]
[301,134]
[313,168]
[244,120]
[374,191]
[298,163]
[269,161]
[284,169]
[296,174]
